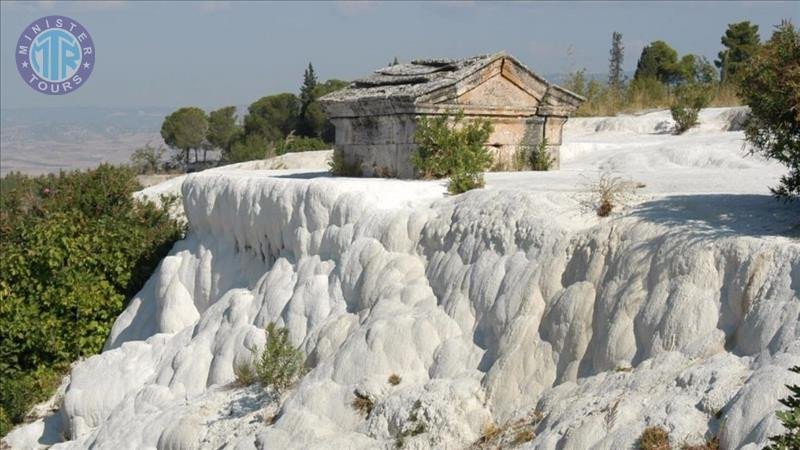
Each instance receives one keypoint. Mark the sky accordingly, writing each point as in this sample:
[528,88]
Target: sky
[211,54]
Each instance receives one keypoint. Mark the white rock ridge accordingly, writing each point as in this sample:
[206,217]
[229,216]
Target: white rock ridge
[681,311]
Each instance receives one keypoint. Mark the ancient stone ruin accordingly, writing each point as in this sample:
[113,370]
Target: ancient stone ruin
[375,117]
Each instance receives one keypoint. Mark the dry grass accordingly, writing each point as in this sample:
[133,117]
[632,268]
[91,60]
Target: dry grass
[654,438]
[362,404]
[712,444]
[609,191]
[394,379]
[245,373]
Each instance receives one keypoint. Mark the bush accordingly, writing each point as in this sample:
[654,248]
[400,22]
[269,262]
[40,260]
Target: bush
[654,438]
[74,248]
[300,144]
[770,85]
[362,404]
[538,159]
[341,168]
[789,418]
[394,379]
[245,373]
[609,191]
[449,147]
[252,147]
[280,364]
[148,159]
[690,99]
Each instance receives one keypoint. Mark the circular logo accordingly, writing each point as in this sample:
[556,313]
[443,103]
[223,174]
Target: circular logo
[55,55]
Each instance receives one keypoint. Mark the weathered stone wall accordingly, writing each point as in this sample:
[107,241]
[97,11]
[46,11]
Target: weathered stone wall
[383,145]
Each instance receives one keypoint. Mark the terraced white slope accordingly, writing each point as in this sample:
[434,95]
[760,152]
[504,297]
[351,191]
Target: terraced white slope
[680,311]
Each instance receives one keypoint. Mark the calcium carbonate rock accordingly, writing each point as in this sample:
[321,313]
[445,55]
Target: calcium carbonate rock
[508,305]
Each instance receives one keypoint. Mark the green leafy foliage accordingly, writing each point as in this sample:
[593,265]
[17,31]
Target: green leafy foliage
[741,42]
[770,85]
[272,117]
[185,129]
[222,128]
[690,99]
[300,144]
[251,147]
[449,146]
[340,167]
[538,158]
[74,248]
[657,61]
[280,364]
[789,418]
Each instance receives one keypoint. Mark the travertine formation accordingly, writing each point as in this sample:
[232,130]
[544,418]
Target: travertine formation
[375,117]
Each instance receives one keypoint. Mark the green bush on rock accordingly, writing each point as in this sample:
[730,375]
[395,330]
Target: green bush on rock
[74,248]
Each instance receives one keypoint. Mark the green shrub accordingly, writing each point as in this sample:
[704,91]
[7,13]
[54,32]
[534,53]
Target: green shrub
[74,248]
[789,418]
[654,438]
[339,166]
[537,159]
[245,373]
[690,99]
[301,144]
[770,85]
[280,364]
[447,146]
[249,148]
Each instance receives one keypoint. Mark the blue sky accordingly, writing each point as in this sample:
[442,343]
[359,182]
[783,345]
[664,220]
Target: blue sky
[214,54]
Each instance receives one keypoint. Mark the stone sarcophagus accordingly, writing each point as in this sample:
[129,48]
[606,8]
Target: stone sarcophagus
[375,117]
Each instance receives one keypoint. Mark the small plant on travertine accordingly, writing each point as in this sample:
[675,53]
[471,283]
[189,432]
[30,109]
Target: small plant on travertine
[280,364]
[654,438]
[609,191]
[490,431]
[362,403]
[538,159]
[449,146]
[245,373]
[522,437]
[339,166]
[711,444]
[394,379]
[789,418]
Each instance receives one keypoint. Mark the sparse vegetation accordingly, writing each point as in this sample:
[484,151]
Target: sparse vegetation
[539,158]
[690,99]
[394,379]
[789,418]
[341,168]
[711,444]
[654,438]
[414,426]
[148,159]
[245,373]
[522,437]
[511,434]
[362,403]
[448,146]
[74,247]
[280,364]
[609,191]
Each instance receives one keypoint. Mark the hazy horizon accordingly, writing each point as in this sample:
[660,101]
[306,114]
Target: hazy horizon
[232,53]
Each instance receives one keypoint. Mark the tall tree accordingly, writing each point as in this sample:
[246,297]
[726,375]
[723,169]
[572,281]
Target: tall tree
[615,76]
[309,123]
[272,117]
[741,41]
[770,85]
[222,128]
[185,129]
[657,61]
